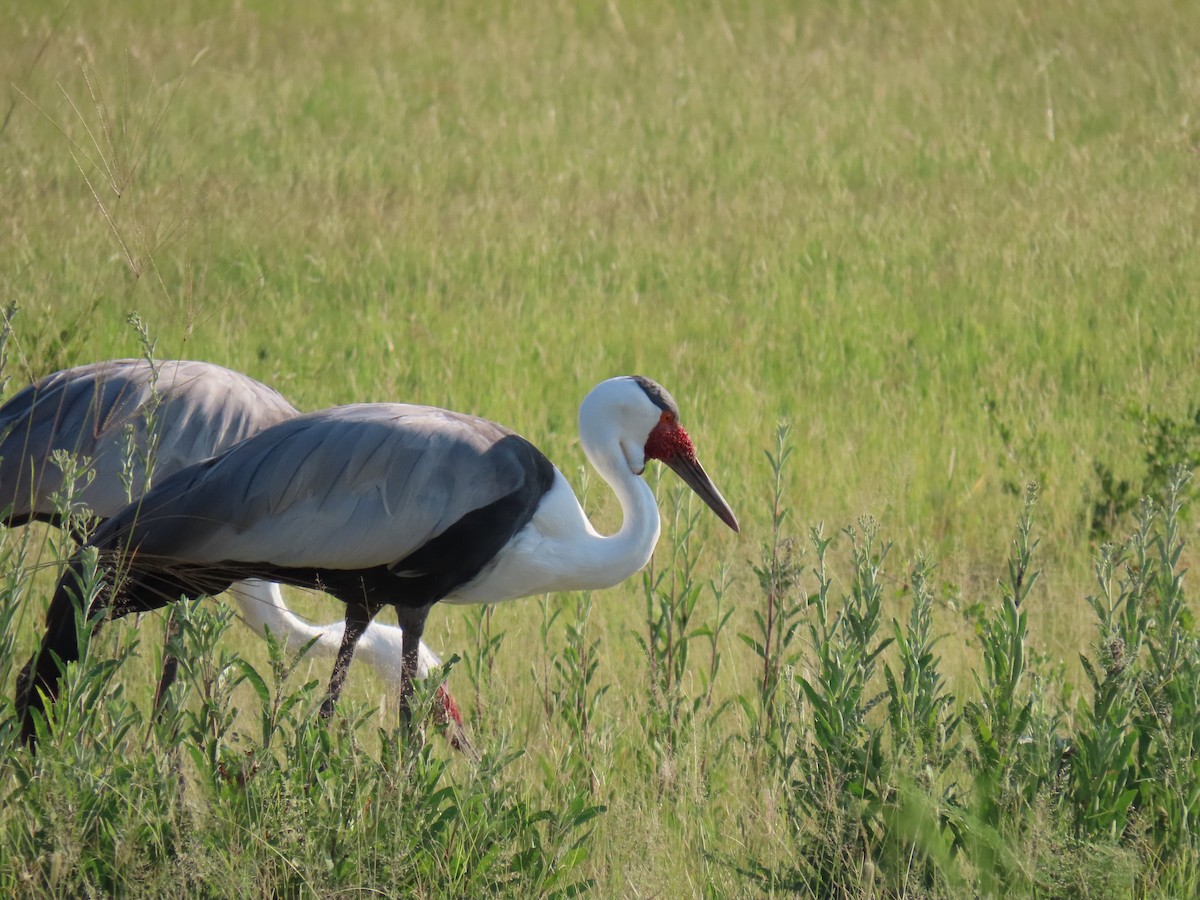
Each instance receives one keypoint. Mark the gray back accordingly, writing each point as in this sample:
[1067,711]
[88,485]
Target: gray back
[350,487]
[180,412]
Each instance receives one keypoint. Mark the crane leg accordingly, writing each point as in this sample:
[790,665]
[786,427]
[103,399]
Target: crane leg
[40,675]
[358,617]
[170,665]
[412,623]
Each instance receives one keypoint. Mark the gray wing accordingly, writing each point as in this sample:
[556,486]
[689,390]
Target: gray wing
[206,409]
[353,487]
[193,410]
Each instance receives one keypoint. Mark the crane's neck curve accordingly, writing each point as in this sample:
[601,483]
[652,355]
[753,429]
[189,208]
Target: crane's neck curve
[607,560]
[262,608]
[560,550]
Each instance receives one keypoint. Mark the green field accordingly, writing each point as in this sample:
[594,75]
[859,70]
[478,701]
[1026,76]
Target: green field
[952,245]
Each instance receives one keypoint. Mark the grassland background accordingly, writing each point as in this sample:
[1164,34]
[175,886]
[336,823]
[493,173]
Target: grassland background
[877,221]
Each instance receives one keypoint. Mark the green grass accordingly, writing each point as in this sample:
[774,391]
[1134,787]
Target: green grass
[953,244]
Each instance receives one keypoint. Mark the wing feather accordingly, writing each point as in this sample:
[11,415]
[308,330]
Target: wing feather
[202,409]
[348,488]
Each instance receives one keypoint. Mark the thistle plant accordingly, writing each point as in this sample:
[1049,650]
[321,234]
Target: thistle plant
[835,766]
[999,718]
[1135,752]
[573,690]
[672,592]
[141,455]
[783,606]
[480,661]
[922,718]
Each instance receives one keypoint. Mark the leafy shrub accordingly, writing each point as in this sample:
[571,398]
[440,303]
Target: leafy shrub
[1168,444]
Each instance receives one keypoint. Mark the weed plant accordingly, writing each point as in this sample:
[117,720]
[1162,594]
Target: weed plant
[117,801]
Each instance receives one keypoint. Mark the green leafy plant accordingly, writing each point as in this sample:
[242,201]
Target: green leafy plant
[1135,761]
[922,718]
[778,623]
[830,757]
[1169,444]
[1000,719]
[480,661]
[573,690]
[672,592]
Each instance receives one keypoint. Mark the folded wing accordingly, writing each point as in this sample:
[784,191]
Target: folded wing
[350,488]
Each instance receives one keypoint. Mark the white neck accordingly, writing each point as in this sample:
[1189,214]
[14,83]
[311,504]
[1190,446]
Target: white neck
[602,561]
[262,607]
[559,550]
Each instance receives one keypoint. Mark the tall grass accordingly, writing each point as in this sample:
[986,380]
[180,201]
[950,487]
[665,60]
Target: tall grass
[951,244]
[207,795]
[859,744]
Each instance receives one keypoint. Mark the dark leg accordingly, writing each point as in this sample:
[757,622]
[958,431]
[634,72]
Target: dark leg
[412,622]
[41,673]
[358,617]
[170,665]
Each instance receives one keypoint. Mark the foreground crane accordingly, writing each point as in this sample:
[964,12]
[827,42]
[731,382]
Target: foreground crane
[388,504]
[127,420]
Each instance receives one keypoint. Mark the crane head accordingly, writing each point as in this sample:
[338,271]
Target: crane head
[649,418]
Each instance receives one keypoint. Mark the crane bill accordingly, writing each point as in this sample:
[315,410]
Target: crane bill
[687,467]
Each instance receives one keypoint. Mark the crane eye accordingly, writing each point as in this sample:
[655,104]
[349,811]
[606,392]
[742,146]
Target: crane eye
[667,418]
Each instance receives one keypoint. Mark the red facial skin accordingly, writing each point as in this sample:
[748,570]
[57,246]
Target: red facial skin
[449,719]
[449,710]
[668,440]
[669,443]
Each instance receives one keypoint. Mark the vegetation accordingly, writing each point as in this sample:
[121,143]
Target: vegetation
[950,245]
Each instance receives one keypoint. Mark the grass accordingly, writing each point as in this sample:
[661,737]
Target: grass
[951,244]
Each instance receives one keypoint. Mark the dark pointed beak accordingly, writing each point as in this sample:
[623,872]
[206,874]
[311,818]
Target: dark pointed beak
[687,467]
